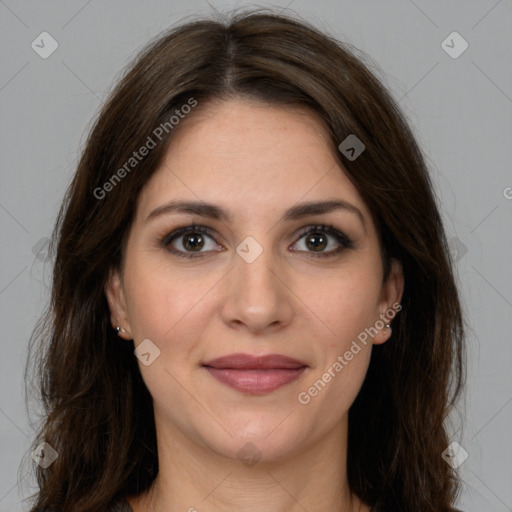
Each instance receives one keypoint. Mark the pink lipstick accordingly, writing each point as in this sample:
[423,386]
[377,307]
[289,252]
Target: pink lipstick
[253,374]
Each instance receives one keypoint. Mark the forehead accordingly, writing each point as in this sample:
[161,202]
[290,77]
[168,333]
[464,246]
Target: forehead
[250,157]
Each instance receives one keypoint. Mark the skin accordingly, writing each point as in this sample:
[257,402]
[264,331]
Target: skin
[255,161]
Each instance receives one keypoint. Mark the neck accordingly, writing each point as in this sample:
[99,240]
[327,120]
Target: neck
[195,479]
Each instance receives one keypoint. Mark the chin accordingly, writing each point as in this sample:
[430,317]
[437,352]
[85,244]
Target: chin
[259,441]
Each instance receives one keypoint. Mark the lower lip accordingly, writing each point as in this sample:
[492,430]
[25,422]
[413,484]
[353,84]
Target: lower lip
[256,382]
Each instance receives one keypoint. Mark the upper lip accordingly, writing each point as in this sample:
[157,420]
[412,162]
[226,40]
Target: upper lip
[254,362]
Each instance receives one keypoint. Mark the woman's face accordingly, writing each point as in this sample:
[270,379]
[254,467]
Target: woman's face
[253,284]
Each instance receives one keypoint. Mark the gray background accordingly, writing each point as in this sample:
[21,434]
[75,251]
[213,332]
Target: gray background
[460,110]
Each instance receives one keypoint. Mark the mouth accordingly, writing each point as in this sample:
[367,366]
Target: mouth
[255,375]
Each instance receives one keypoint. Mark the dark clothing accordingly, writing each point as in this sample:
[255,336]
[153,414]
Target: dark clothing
[121,506]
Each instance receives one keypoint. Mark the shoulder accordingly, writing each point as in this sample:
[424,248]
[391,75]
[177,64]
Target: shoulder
[120,506]
[376,508]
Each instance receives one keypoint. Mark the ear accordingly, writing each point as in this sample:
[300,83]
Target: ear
[392,291]
[114,292]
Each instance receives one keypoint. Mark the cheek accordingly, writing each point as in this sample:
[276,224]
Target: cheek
[331,390]
[162,300]
[163,306]
[346,305]
[346,302]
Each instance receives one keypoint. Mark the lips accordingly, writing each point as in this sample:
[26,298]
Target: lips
[255,375]
[250,362]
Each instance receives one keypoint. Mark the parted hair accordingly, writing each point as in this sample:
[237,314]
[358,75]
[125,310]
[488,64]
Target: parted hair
[98,413]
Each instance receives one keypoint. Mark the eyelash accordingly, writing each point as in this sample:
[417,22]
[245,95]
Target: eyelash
[344,241]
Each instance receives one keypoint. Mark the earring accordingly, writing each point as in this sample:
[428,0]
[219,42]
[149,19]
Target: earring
[388,326]
[118,330]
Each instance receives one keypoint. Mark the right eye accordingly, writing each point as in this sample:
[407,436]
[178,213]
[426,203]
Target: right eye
[192,241]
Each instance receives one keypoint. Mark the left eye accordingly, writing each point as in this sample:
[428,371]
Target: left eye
[316,240]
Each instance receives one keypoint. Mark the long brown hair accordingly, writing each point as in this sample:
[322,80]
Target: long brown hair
[98,413]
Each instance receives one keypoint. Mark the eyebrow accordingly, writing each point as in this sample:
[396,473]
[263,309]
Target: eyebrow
[216,212]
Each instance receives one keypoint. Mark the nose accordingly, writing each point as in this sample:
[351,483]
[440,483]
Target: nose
[258,297]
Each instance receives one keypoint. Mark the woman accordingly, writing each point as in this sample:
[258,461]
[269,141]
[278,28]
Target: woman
[253,303]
